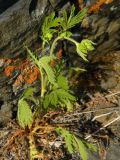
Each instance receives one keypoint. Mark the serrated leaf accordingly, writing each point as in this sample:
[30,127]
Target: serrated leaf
[48,27]
[72,20]
[80,147]
[68,138]
[46,101]
[62,82]
[44,63]
[84,47]
[28,92]
[64,20]
[32,55]
[69,106]
[24,114]
[65,95]
[73,143]
[90,146]
[58,96]
[66,34]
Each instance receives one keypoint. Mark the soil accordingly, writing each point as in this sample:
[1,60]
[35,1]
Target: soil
[97,121]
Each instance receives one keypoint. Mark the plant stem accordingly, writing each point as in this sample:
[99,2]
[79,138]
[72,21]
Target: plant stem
[53,45]
[71,40]
[42,83]
[58,38]
[41,72]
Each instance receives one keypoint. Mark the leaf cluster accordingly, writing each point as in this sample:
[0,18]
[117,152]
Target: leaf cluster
[70,21]
[59,95]
[65,22]
[24,114]
[75,144]
[49,27]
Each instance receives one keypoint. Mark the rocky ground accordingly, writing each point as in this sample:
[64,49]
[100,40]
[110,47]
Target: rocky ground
[98,123]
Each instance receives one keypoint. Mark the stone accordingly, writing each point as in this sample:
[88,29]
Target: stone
[20,23]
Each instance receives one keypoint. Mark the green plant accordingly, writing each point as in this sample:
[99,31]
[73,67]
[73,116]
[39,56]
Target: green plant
[75,144]
[55,90]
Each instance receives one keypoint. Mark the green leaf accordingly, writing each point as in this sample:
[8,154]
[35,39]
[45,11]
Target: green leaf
[69,106]
[73,19]
[77,69]
[44,64]
[48,27]
[58,96]
[46,101]
[80,147]
[91,146]
[66,34]
[68,138]
[83,48]
[24,114]
[28,93]
[62,82]
[64,95]
[73,143]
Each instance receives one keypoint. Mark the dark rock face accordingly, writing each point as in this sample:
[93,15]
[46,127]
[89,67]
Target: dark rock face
[105,28]
[6,4]
[6,100]
[19,25]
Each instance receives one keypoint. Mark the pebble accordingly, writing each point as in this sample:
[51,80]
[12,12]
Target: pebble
[1,62]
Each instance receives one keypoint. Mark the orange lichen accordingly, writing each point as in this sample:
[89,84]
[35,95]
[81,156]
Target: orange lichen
[31,75]
[97,6]
[19,81]
[24,64]
[9,70]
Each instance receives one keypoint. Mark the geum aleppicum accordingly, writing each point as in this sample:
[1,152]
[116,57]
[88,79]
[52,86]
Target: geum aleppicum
[55,91]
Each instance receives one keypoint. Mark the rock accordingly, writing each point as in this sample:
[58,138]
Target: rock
[20,23]
[108,68]
[105,28]
[103,69]
[5,112]
[113,152]
[6,4]
[1,62]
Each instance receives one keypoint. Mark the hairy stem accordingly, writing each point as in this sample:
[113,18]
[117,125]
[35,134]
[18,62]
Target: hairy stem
[42,84]
[53,45]
[41,72]
[71,40]
[58,38]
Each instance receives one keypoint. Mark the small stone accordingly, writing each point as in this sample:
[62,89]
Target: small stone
[5,113]
[1,62]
